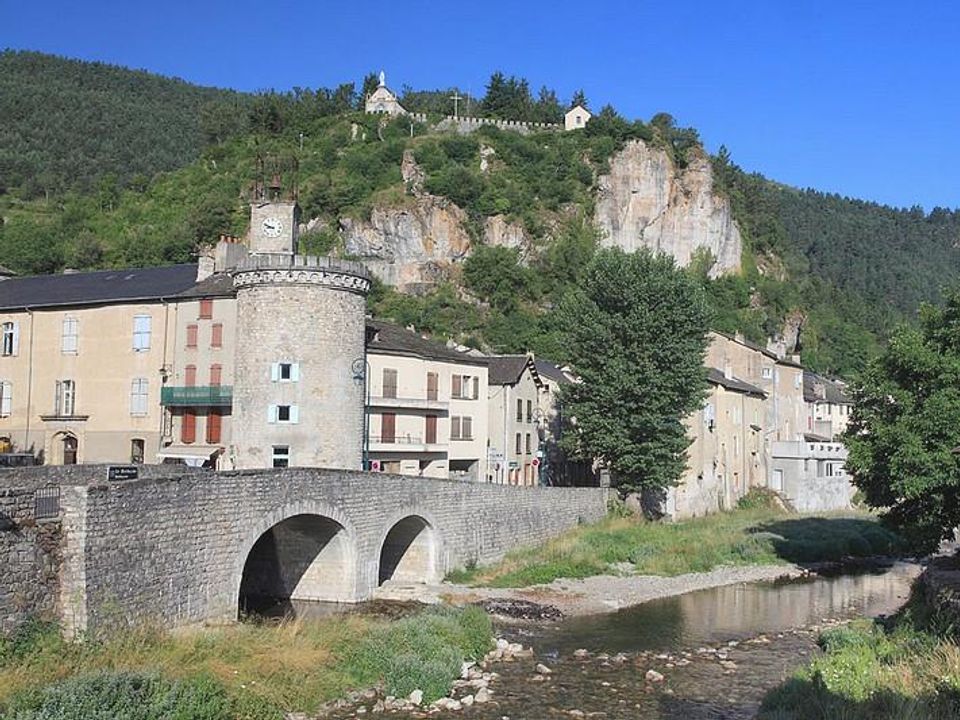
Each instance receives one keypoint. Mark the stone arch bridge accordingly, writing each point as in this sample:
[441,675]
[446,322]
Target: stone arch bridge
[199,547]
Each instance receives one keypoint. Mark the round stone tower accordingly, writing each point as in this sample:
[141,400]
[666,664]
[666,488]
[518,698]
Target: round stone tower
[298,396]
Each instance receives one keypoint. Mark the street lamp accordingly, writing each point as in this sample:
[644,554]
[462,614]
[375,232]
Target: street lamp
[361,373]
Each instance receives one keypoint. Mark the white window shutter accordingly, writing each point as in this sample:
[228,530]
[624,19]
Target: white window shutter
[16,338]
[295,372]
[294,414]
[272,414]
[275,371]
[6,397]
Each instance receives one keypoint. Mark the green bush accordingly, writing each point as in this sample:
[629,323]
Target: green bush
[29,637]
[125,696]
[424,651]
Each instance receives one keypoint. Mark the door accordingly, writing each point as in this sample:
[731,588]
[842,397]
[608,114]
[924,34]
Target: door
[431,430]
[388,428]
[69,450]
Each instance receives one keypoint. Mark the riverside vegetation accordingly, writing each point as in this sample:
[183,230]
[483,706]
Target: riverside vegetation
[250,671]
[906,668]
[754,534]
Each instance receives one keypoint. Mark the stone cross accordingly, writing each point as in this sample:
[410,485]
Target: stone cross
[456,102]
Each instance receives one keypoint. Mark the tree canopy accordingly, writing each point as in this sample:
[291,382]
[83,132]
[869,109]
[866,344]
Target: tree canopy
[904,433]
[635,330]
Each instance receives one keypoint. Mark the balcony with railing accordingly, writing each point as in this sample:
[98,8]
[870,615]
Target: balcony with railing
[405,443]
[196,396]
[409,403]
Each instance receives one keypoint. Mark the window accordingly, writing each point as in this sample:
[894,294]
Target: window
[6,398]
[462,386]
[192,331]
[188,429]
[11,338]
[766,373]
[461,428]
[68,342]
[388,428]
[214,424]
[285,372]
[65,398]
[136,451]
[138,396]
[206,309]
[529,411]
[519,443]
[281,456]
[216,374]
[141,333]
[432,386]
[284,414]
[430,430]
[519,410]
[190,375]
[216,335]
[389,383]
[528,444]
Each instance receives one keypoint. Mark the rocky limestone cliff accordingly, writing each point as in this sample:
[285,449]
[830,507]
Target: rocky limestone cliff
[645,201]
[409,246]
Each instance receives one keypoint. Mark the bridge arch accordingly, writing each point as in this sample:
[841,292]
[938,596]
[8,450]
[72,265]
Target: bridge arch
[301,551]
[409,549]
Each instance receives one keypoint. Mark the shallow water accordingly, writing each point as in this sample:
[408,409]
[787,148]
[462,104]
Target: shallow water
[719,650]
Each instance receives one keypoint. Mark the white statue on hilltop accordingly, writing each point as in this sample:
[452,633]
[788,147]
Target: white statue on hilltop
[383,79]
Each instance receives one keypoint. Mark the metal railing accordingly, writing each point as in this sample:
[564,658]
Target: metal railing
[46,502]
[199,395]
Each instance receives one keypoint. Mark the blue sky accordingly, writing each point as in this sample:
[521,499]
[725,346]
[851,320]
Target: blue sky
[859,98]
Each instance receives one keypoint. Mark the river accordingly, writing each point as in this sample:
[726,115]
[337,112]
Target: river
[719,651]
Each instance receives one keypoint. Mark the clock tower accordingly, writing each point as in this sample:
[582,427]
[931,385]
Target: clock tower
[273,227]
[274,213]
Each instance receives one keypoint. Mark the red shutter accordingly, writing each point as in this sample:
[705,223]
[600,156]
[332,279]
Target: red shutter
[188,432]
[213,428]
[206,309]
[431,430]
[216,335]
[190,375]
[216,372]
[191,336]
[388,427]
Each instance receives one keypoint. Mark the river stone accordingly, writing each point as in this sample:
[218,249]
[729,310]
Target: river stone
[467,700]
[482,696]
[653,676]
[416,697]
[543,669]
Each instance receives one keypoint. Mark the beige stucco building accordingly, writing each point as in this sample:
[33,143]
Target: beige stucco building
[83,360]
[576,118]
[427,412]
[828,407]
[516,420]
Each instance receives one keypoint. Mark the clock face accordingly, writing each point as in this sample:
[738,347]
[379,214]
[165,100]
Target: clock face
[272,227]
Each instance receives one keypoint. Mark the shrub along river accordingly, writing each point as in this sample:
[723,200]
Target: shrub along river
[706,654]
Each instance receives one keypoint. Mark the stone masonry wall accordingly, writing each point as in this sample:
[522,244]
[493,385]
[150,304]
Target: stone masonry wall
[31,551]
[29,560]
[173,551]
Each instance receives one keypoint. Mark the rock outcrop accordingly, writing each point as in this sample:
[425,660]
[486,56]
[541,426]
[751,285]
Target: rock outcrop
[646,201]
[409,246]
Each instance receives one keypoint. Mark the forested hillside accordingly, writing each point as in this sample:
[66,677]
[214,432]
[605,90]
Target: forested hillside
[102,166]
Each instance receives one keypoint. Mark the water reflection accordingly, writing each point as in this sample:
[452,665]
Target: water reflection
[731,612]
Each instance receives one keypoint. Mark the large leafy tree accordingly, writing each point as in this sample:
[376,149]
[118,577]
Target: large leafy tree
[905,429]
[635,330]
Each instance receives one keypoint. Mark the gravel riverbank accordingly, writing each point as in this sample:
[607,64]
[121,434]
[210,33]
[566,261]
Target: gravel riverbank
[597,594]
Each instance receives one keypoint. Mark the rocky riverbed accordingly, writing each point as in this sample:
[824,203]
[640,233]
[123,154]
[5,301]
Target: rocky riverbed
[711,653]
